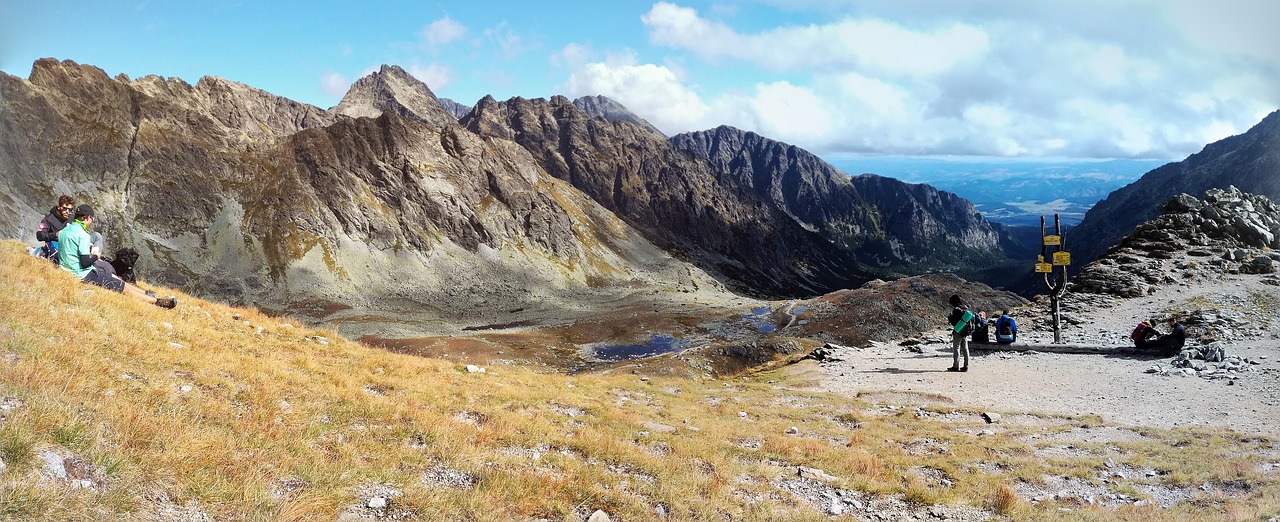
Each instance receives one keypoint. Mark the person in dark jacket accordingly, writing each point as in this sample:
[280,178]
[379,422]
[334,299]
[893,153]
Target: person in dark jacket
[959,318]
[1172,342]
[47,230]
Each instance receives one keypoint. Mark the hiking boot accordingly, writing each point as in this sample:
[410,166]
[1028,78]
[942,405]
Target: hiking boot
[954,369]
[168,302]
[965,369]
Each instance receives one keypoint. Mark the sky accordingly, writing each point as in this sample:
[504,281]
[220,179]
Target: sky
[1077,79]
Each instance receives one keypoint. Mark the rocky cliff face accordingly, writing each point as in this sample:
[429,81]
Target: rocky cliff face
[889,223]
[1226,232]
[1250,162]
[677,199]
[234,193]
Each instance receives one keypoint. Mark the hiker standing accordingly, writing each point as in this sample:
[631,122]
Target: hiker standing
[961,320]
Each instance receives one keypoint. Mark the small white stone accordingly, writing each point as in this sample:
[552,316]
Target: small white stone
[175,345]
[471,368]
[377,503]
[185,388]
[742,414]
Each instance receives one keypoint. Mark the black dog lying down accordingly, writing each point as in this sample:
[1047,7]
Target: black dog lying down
[124,262]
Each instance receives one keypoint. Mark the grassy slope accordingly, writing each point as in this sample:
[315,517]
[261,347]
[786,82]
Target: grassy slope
[255,418]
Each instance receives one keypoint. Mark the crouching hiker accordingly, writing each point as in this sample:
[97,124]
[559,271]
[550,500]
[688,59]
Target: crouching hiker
[77,254]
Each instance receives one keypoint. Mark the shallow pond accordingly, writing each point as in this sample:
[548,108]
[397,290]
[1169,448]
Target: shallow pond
[656,345]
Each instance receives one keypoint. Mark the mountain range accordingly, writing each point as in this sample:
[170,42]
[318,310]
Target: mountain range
[390,200]
[398,201]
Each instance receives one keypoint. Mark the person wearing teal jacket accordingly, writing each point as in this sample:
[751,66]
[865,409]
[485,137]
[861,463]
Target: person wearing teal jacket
[78,254]
[960,319]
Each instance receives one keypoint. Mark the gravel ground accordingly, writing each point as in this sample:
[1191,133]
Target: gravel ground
[1114,387]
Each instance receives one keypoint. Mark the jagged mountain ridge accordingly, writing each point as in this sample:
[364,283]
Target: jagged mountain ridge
[674,198]
[240,194]
[253,198]
[1249,161]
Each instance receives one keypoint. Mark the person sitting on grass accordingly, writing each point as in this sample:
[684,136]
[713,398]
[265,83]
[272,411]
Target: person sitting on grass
[47,230]
[77,254]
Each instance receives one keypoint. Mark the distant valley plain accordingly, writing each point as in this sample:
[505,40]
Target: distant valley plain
[1011,191]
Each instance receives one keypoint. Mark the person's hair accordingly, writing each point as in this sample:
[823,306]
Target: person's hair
[1005,312]
[955,300]
[1172,319]
[66,200]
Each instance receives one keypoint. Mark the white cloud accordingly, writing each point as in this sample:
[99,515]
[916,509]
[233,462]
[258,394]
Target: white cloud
[436,76]
[572,56]
[334,85]
[511,45]
[651,91]
[1084,78]
[442,32]
[864,44]
[782,109]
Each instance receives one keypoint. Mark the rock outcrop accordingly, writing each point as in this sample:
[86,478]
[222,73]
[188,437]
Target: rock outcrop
[1227,232]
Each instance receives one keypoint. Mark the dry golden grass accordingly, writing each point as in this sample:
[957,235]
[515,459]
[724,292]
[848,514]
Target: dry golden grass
[228,412]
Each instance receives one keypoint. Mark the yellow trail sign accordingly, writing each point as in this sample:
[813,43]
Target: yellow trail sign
[1052,240]
[1062,258]
[1044,268]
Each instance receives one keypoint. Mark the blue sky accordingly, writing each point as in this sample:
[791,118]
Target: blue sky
[1078,79]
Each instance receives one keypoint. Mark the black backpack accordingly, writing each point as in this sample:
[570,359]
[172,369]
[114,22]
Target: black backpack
[1006,328]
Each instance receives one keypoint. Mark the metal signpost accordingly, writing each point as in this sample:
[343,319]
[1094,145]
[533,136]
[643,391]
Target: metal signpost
[1055,281]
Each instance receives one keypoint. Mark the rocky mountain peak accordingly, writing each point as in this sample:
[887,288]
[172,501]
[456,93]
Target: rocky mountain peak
[458,110]
[392,89]
[1228,231]
[605,107]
